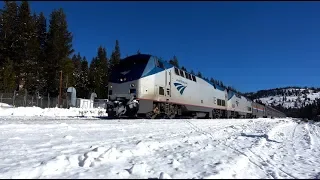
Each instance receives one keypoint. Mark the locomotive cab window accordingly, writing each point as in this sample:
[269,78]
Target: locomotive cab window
[176,70]
[161,91]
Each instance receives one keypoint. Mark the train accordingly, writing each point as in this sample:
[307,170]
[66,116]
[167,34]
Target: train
[144,86]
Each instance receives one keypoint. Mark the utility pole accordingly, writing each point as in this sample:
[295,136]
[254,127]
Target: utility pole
[60,94]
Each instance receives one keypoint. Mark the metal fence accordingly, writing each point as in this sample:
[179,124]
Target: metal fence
[23,99]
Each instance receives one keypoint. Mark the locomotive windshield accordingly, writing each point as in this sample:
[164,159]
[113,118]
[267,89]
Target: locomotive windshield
[129,69]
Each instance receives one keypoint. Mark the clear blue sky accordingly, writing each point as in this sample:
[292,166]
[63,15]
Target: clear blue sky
[249,45]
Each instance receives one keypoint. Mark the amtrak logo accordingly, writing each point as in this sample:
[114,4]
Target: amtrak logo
[125,72]
[180,87]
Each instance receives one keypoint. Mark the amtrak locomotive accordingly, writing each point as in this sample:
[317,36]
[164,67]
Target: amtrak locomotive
[143,86]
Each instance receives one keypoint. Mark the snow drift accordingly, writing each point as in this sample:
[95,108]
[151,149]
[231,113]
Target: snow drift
[4,105]
[51,112]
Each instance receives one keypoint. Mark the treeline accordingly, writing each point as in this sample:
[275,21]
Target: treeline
[174,61]
[33,57]
[286,91]
[310,111]
[303,108]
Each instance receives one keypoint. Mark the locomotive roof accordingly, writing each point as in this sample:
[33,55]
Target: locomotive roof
[168,65]
[137,56]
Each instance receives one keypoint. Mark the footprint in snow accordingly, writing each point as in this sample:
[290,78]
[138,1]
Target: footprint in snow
[137,169]
[164,176]
[175,163]
[68,137]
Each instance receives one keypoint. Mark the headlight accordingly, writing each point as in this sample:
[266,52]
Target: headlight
[111,86]
[132,85]
[121,79]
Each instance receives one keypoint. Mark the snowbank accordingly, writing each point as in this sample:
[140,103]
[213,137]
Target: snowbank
[4,105]
[51,112]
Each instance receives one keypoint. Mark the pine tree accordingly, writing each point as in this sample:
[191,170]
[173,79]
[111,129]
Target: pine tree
[7,73]
[83,92]
[41,31]
[92,75]
[27,45]
[9,35]
[221,84]
[183,68]
[199,74]
[1,41]
[2,50]
[103,71]
[115,56]
[192,72]
[76,59]
[59,47]
[212,80]
[98,73]
[68,73]
[174,61]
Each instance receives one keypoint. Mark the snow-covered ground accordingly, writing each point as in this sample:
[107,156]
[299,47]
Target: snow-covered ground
[7,110]
[35,147]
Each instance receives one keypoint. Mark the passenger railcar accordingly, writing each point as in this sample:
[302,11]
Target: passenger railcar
[142,85]
[238,106]
[258,110]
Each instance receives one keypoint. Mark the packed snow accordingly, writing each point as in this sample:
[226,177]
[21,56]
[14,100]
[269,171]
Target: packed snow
[37,147]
